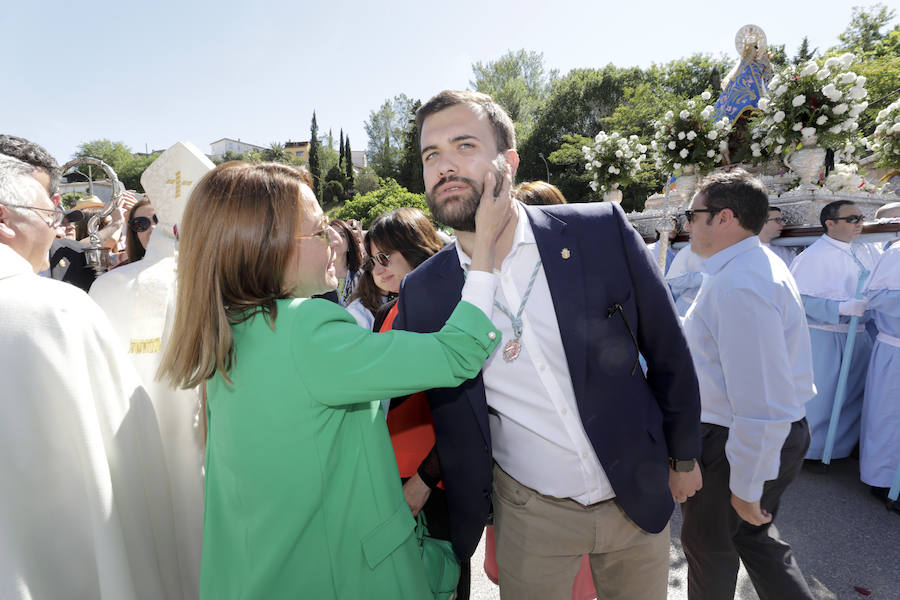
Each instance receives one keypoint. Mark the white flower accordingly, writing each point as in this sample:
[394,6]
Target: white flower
[681,135]
[797,126]
[832,62]
[619,154]
[706,95]
[710,153]
[594,185]
[821,120]
[798,100]
[707,112]
[895,128]
[756,153]
[832,92]
[713,134]
[676,166]
[847,59]
[778,117]
[755,147]
[834,129]
[777,149]
[779,139]
[847,77]
[641,148]
[611,169]
[840,109]
[764,103]
[671,145]
[669,115]
[809,68]
[808,131]
[684,114]
[723,145]
[857,109]
[691,135]
[823,74]
[857,93]
[691,104]
[861,81]
[683,153]
[781,89]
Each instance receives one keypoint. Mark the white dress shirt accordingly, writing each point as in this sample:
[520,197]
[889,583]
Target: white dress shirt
[749,340]
[536,431]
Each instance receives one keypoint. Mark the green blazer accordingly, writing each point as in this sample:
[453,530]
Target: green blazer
[303,497]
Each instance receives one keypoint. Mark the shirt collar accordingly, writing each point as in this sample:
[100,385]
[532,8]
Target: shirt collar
[524,235]
[835,242]
[717,261]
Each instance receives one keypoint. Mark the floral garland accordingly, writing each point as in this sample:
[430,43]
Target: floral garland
[845,179]
[690,137]
[613,160]
[810,104]
[885,141]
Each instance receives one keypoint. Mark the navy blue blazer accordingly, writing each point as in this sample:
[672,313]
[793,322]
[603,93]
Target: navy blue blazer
[634,423]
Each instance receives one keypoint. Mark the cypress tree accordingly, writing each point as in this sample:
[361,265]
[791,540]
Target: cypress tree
[348,163]
[315,168]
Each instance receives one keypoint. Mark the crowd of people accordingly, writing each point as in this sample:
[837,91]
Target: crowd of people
[261,402]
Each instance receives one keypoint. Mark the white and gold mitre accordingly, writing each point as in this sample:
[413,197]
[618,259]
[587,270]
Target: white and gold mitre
[169,180]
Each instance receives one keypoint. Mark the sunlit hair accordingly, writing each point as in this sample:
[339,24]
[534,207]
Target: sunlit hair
[133,246]
[404,230]
[538,193]
[236,240]
[501,123]
[354,255]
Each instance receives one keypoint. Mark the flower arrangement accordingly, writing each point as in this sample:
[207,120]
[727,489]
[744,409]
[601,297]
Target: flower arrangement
[845,179]
[613,160]
[690,137]
[813,103]
[885,141]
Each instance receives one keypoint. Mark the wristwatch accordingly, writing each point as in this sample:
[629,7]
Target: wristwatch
[682,466]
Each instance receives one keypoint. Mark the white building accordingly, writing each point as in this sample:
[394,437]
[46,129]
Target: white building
[220,147]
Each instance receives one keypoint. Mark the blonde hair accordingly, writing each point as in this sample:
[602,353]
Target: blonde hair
[237,238]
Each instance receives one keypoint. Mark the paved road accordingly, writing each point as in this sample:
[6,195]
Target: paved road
[841,535]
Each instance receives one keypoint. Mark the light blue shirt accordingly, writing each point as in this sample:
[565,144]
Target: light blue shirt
[749,340]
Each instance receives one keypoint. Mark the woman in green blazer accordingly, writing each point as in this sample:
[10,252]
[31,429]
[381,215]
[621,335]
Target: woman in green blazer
[303,498]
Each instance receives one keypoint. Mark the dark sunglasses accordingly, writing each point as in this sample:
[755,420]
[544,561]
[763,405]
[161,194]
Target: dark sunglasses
[851,219]
[689,213]
[141,224]
[383,259]
[779,220]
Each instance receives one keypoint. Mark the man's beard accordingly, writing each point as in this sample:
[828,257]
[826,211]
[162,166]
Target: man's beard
[460,216]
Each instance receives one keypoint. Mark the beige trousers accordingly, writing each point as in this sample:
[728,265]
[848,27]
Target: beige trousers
[541,539]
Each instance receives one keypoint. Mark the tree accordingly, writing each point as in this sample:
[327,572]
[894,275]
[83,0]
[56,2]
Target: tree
[276,153]
[385,129]
[517,82]
[341,149]
[315,169]
[864,30]
[804,54]
[117,155]
[348,162]
[410,168]
[389,195]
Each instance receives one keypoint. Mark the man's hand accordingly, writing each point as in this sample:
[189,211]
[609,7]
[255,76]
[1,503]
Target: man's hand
[750,511]
[685,484]
[416,492]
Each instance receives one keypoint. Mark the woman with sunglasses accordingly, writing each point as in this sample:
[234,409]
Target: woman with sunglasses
[141,222]
[302,491]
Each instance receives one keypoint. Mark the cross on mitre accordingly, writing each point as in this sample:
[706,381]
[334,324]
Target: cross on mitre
[169,181]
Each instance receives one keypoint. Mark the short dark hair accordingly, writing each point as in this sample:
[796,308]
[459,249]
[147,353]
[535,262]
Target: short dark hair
[740,192]
[34,155]
[504,130]
[830,211]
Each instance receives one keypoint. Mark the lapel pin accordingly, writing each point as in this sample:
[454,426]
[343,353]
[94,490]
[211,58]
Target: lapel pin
[565,253]
[63,263]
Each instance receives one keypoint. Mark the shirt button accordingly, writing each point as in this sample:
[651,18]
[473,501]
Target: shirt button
[564,411]
[584,455]
[492,335]
[542,367]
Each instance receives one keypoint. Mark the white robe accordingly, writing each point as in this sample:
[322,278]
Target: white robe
[826,275]
[139,299]
[85,505]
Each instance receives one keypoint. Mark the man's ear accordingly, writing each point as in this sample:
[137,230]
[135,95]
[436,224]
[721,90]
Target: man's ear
[7,233]
[512,158]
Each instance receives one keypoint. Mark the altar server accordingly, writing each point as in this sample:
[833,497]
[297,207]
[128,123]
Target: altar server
[139,299]
[827,275]
[880,433]
[84,509]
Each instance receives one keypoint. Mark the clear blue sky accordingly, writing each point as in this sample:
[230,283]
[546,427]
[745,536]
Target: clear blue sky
[152,73]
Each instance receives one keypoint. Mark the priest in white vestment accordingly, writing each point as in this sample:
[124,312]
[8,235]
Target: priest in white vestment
[879,452]
[139,299]
[85,509]
[827,275]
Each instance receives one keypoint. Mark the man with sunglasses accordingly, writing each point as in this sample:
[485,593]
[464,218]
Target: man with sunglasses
[829,273]
[771,230]
[748,339]
[75,507]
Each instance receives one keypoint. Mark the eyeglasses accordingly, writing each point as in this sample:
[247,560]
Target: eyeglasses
[779,220]
[142,224]
[689,213]
[383,259]
[850,219]
[58,213]
[322,234]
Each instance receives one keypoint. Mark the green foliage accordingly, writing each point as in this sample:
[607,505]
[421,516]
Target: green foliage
[777,56]
[385,128]
[410,168]
[804,54]
[366,181]
[348,163]
[276,153]
[128,167]
[389,195]
[864,30]
[691,76]
[69,200]
[332,192]
[517,82]
[315,167]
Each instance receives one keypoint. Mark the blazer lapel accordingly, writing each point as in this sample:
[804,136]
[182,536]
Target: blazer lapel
[564,267]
